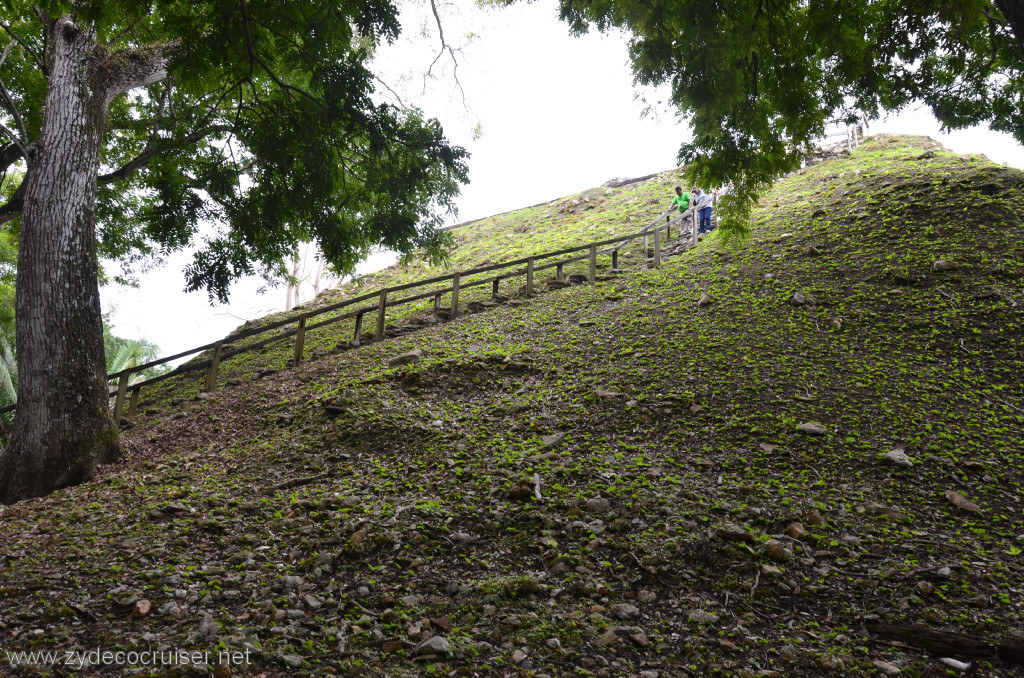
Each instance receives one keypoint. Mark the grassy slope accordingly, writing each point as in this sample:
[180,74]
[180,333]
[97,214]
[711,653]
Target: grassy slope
[414,469]
[595,214]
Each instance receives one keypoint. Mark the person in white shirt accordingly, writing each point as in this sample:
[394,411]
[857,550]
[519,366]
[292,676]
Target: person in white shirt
[703,204]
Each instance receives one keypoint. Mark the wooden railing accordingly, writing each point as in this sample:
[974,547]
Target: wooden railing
[454,283]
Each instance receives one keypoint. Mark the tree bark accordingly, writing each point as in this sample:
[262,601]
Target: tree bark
[1013,12]
[62,426]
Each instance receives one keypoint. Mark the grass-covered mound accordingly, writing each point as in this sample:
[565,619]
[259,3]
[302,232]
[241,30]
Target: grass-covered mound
[714,497]
[594,215]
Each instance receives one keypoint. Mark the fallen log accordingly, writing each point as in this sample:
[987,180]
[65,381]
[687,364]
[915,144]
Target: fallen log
[946,643]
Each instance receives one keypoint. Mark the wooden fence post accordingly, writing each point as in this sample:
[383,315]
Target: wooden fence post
[529,277]
[211,374]
[494,286]
[645,246]
[615,258]
[455,297]
[693,226]
[668,230]
[359,327]
[559,273]
[133,402]
[657,247]
[382,305]
[593,262]
[437,304]
[300,339]
[122,390]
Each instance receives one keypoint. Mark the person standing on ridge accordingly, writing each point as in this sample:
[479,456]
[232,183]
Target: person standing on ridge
[702,202]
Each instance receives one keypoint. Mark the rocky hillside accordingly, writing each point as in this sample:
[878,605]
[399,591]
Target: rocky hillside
[799,457]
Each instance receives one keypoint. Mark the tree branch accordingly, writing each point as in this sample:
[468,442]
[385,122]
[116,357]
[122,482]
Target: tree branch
[28,48]
[143,66]
[12,107]
[393,92]
[15,140]
[140,161]
[445,47]
[9,155]
[128,29]
[14,206]
[255,58]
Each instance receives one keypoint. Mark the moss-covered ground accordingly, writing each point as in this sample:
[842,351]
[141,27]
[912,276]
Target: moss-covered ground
[719,503]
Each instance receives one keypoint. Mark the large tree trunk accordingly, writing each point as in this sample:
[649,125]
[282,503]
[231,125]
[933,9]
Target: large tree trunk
[62,427]
[1013,12]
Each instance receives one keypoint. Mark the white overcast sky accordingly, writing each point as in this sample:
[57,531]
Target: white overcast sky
[556,115]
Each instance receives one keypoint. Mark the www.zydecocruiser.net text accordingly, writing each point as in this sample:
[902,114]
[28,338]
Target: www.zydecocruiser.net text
[126,658]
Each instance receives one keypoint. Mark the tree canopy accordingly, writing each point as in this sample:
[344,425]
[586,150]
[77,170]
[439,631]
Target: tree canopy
[760,79]
[265,127]
[139,123]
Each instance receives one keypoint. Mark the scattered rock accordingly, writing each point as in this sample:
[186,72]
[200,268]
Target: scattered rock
[207,627]
[170,608]
[732,533]
[815,518]
[142,608]
[598,505]
[887,668]
[553,440]
[607,638]
[796,530]
[811,251]
[962,501]
[771,570]
[898,457]
[925,587]
[624,611]
[521,491]
[647,596]
[799,299]
[812,429]
[699,616]
[435,645]
[406,358]
[943,265]
[980,601]
[777,551]
[606,394]
[705,300]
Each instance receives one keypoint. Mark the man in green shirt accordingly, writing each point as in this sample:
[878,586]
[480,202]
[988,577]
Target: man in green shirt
[682,200]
